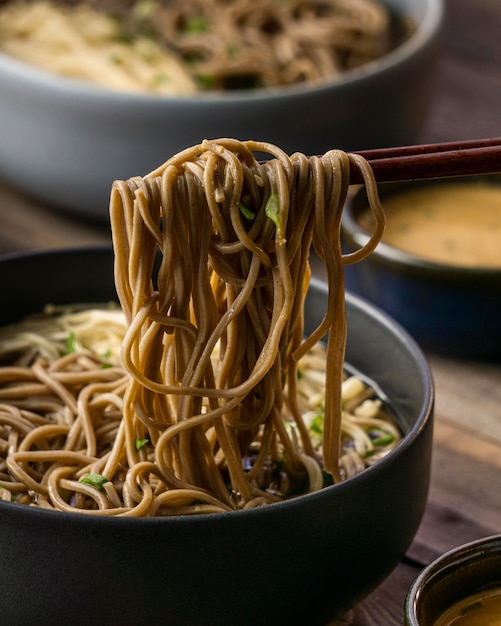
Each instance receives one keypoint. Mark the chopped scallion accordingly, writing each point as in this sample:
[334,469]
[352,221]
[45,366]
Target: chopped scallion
[384,441]
[317,424]
[70,343]
[250,215]
[198,24]
[272,209]
[95,480]
[205,82]
[140,443]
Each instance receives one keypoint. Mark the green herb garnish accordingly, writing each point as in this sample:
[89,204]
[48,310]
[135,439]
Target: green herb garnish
[95,480]
[383,441]
[272,209]
[378,442]
[71,344]
[198,24]
[317,424]
[140,443]
[250,215]
[205,81]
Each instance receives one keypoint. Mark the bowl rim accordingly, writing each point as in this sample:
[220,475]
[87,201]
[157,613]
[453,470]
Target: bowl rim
[397,257]
[443,566]
[423,419]
[427,29]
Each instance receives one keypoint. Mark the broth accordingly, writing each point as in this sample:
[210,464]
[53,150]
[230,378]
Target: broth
[457,224]
[480,609]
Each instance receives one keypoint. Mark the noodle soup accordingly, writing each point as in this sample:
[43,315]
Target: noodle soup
[172,569]
[209,407]
[62,390]
[184,48]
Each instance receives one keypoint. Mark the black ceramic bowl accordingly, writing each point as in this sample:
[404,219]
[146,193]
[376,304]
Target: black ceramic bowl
[456,575]
[304,561]
[447,308]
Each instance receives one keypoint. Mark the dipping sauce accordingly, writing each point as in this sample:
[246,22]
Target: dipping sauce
[452,223]
[481,609]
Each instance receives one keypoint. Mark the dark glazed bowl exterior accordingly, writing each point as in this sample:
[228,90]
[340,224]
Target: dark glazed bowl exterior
[457,574]
[304,561]
[447,309]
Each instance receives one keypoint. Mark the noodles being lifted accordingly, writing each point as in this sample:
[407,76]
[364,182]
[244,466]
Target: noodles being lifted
[210,412]
[179,47]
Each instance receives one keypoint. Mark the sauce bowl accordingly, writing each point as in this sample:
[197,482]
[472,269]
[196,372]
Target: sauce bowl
[447,308]
[471,569]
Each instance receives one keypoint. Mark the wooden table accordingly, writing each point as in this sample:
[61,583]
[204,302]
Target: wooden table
[465,498]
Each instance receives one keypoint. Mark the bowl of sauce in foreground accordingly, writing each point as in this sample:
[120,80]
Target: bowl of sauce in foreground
[460,588]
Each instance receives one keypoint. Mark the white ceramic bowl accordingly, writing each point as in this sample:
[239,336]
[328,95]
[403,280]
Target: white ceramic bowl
[65,142]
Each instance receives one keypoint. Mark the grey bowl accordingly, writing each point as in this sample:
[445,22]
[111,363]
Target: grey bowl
[65,142]
[461,572]
[449,309]
[300,562]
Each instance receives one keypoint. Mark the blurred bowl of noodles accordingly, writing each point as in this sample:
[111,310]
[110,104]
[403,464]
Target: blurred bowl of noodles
[437,270]
[64,140]
[305,560]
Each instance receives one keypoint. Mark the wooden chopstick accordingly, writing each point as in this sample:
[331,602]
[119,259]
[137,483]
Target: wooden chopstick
[442,160]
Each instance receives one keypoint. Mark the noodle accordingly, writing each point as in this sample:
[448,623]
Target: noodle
[178,47]
[215,401]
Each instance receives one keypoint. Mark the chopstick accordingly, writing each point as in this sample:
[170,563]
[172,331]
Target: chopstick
[440,160]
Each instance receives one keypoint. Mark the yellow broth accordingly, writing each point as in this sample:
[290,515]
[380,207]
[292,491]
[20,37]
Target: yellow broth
[452,223]
[480,609]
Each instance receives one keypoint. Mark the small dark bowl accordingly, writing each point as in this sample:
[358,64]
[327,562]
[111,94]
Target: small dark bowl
[449,309]
[304,561]
[464,571]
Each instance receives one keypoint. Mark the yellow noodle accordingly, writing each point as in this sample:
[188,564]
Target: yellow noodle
[178,47]
[212,401]
[256,264]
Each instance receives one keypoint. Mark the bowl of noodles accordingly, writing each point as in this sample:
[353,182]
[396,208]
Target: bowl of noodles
[91,92]
[192,429]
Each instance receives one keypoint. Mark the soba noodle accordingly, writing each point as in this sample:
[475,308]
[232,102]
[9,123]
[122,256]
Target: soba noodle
[178,47]
[216,400]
